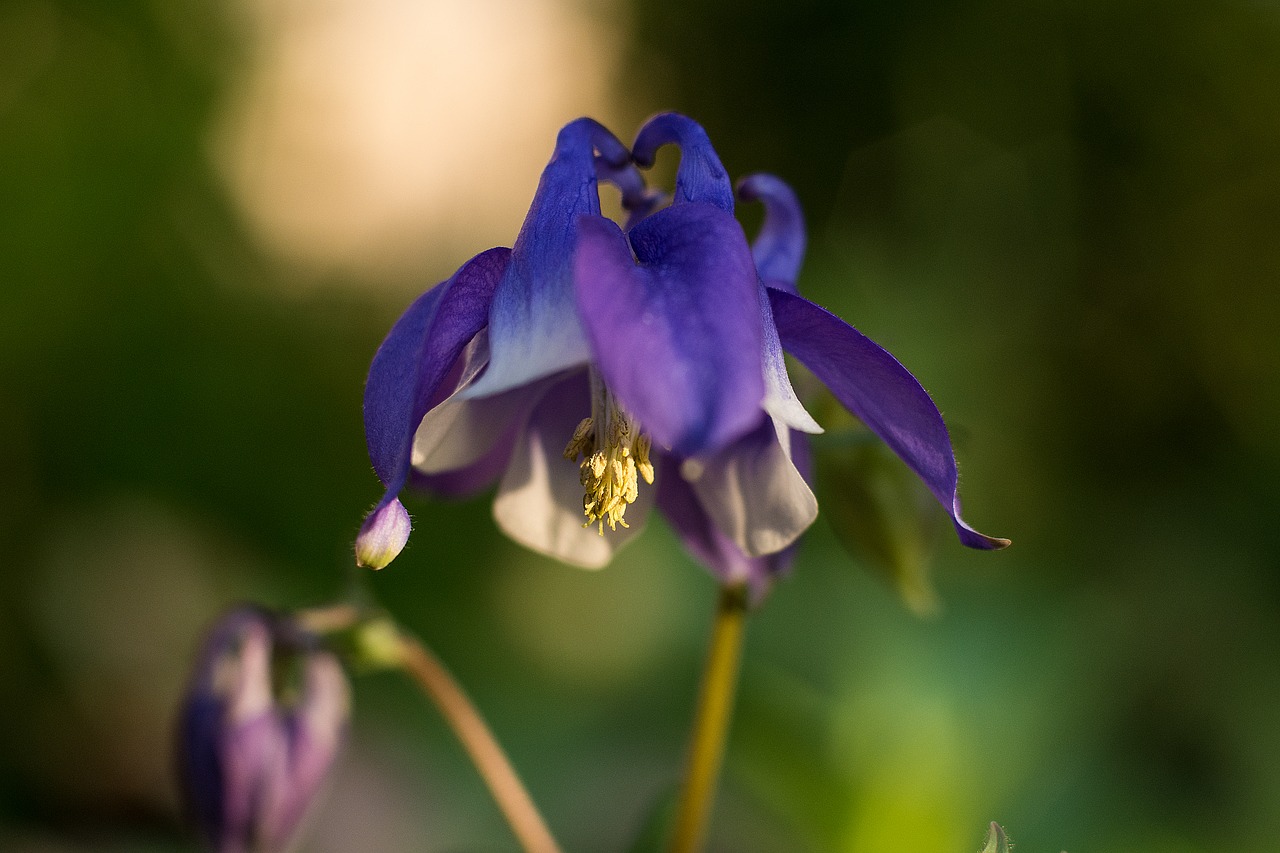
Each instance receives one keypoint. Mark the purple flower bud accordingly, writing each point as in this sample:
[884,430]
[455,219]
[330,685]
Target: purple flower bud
[261,725]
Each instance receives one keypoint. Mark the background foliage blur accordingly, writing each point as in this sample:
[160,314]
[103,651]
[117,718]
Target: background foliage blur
[1061,216]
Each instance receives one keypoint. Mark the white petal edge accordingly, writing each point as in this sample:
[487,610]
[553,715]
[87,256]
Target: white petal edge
[754,494]
[780,400]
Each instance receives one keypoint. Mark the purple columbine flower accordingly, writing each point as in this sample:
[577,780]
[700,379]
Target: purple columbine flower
[593,369]
[251,760]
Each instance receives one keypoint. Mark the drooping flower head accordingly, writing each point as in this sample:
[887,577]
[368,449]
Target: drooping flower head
[260,727]
[593,368]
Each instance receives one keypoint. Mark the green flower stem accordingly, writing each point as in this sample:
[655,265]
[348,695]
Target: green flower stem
[379,642]
[512,798]
[330,619]
[711,724]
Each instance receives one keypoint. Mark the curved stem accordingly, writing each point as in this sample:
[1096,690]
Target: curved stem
[383,643]
[430,674]
[711,724]
[329,619]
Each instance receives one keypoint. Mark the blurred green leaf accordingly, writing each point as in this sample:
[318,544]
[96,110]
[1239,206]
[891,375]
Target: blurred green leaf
[658,822]
[880,511]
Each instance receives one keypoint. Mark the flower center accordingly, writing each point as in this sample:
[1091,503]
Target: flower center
[615,455]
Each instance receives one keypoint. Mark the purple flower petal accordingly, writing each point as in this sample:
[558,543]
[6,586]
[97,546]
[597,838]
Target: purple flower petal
[249,732]
[417,356]
[251,752]
[533,324]
[778,251]
[677,336]
[313,732]
[873,385]
[701,177]
[753,492]
[779,247]
[539,502]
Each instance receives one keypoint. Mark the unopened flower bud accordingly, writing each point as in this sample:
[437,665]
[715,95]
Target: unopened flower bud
[383,535]
[262,723]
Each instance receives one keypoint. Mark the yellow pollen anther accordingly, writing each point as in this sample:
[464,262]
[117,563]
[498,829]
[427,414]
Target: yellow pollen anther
[615,456]
[583,440]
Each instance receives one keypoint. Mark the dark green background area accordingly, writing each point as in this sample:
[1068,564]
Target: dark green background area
[1062,217]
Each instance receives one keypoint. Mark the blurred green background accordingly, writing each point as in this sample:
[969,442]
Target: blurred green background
[1063,217]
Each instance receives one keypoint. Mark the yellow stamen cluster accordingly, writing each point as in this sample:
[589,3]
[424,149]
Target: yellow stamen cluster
[611,469]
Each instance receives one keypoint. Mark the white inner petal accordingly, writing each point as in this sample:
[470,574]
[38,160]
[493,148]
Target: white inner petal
[459,432]
[754,494]
[781,403]
[539,502]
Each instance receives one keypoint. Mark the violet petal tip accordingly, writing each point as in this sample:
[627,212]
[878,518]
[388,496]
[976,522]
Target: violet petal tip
[383,535]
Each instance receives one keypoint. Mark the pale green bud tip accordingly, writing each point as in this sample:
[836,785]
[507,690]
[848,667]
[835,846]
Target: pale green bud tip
[382,536]
[997,841]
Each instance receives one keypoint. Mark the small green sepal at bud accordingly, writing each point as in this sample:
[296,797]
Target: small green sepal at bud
[376,644]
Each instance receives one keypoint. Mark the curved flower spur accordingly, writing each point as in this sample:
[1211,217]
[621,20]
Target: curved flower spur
[596,369]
